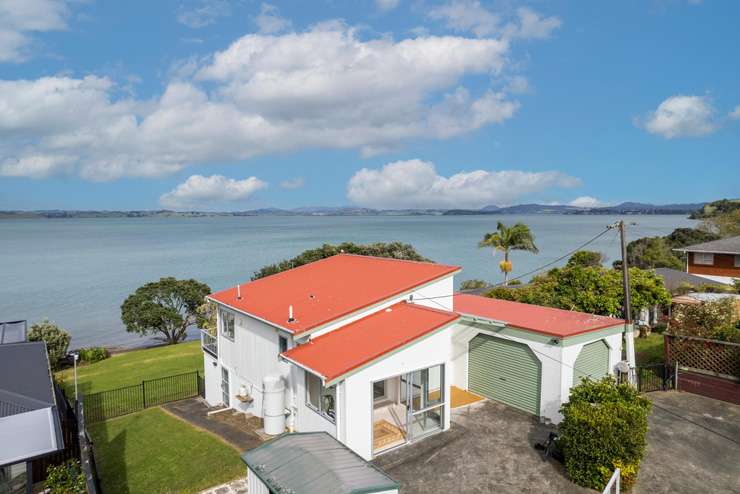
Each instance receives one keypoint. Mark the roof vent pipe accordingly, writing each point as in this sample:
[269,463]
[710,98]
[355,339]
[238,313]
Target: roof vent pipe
[238,292]
[290,313]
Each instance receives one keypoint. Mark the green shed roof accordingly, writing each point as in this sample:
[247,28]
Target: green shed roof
[314,463]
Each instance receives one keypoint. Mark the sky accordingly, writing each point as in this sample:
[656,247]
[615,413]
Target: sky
[234,105]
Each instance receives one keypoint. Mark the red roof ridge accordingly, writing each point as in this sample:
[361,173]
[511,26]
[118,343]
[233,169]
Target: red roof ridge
[383,258]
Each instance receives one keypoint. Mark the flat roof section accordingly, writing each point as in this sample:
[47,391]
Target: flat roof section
[329,289]
[315,463]
[338,352]
[545,320]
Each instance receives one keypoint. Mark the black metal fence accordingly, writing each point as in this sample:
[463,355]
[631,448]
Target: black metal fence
[152,392]
[654,377]
[87,455]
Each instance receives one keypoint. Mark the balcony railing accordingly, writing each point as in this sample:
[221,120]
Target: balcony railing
[208,342]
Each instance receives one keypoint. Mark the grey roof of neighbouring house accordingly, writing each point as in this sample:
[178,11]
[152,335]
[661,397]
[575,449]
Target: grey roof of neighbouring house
[29,420]
[314,463]
[673,279]
[722,246]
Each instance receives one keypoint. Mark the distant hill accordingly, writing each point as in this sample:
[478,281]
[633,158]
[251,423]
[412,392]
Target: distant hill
[624,208]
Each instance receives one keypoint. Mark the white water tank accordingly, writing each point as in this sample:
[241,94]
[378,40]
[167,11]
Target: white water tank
[273,404]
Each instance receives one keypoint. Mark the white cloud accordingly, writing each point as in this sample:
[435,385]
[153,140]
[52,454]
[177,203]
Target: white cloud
[470,15]
[293,183]
[323,88]
[532,25]
[386,5]
[19,19]
[206,13]
[735,114]
[586,202]
[518,85]
[269,20]
[200,191]
[416,184]
[681,116]
[467,15]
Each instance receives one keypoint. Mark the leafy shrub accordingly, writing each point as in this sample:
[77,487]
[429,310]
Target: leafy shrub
[93,354]
[586,258]
[57,340]
[66,478]
[712,320]
[603,428]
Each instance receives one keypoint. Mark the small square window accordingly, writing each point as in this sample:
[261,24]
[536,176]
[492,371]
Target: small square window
[320,398]
[283,343]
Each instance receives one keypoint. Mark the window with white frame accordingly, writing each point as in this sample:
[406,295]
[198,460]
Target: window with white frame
[737,260]
[227,325]
[704,258]
[319,398]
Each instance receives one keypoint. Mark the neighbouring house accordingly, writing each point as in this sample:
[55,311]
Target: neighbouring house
[30,427]
[376,352]
[718,260]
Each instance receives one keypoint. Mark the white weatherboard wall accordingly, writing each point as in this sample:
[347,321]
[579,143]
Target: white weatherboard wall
[254,484]
[556,360]
[356,433]
[251,357]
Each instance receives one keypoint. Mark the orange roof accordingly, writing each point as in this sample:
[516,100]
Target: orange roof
[328,289]
[338,352]
[545,320]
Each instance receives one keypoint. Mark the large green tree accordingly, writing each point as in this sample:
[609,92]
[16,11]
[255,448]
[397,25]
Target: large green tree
[592,289]
[165,308]
[395,250]
[508,238]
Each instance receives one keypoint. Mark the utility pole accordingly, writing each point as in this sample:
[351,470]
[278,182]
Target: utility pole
[629,329]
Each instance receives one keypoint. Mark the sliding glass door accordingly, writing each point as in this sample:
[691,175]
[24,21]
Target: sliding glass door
[425,396]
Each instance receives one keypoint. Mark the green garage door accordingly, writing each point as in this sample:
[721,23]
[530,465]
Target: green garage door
[593,361]
[506,371]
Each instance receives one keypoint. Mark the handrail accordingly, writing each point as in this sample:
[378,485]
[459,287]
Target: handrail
[614,481]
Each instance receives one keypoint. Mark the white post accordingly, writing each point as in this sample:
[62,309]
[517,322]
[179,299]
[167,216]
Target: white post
[629,337]
[75,356]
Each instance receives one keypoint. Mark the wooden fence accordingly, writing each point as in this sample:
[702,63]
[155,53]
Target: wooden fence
[152,392]
[706,367]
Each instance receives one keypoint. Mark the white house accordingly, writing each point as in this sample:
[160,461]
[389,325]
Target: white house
[371,350]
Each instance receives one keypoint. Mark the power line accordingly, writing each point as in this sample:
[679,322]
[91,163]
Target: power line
[547,265]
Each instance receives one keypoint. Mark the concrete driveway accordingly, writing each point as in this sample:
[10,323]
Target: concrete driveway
[489,448]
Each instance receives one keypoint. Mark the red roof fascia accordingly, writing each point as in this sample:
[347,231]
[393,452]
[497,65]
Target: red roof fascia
[546,320]
[338,352]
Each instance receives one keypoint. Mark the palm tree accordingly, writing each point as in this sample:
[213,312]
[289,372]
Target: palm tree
[506,239]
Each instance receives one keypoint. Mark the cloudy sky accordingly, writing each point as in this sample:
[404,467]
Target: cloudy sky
[224,105]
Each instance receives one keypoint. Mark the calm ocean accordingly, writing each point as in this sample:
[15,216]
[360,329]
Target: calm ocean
[77,272]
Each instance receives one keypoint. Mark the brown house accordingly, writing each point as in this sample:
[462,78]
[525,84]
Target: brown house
[717,261]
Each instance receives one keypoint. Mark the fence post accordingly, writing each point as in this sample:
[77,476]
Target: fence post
[676,377]
[143,393]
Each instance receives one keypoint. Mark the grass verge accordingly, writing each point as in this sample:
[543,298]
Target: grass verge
[125,369]
[649,350]
[153,452]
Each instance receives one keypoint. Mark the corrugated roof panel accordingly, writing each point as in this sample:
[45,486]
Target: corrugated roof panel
[314,463]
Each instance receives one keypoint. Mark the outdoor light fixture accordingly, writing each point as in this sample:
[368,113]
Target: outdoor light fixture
[554,341]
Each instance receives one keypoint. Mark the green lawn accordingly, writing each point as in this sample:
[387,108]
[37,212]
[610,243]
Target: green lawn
[649,350]
[129,368]
[154,452]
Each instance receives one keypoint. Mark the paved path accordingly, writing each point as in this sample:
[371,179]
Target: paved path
[693,446]
[235,428]
[238,486]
